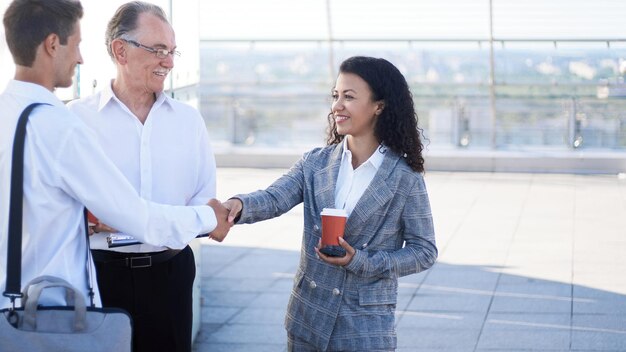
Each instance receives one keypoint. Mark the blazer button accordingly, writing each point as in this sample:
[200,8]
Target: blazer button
[312,284]
[364,246]
[336,292]
[316,228]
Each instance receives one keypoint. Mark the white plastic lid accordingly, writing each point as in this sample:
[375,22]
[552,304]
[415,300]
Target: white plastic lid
[334,212]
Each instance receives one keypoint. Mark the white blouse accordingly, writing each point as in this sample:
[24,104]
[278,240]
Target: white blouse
[352,183]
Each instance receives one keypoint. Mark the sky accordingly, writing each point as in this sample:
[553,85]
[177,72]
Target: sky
[352,19]
[521,19]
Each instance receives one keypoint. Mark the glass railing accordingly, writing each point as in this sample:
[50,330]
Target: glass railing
[297,121]
[277,94]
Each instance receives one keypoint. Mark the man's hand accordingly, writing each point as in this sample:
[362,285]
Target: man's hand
[339,261]
[100,227]
[223,225]
[234,205]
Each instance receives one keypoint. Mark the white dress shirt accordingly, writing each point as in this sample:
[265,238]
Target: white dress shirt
[64,168]
[352,183]
[167,160]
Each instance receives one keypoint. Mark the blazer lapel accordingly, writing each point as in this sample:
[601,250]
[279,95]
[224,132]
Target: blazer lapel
[375,196]
[325,179]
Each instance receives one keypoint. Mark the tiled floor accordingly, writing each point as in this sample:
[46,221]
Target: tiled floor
[527,262]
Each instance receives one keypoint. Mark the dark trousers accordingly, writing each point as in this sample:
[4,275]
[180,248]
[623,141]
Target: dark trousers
[157,297]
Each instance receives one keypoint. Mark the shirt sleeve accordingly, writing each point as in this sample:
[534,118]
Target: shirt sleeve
[85,172]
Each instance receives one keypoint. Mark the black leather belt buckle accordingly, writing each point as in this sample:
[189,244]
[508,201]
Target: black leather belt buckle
[139,262]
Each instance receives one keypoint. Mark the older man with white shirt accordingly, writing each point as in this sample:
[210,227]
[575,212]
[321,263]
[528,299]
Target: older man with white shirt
[64,166]
[162,147]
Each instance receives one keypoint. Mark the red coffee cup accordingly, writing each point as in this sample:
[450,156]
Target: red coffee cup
[91,219]
[333,226]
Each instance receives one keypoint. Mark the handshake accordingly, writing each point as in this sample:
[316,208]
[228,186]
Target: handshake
[225,213]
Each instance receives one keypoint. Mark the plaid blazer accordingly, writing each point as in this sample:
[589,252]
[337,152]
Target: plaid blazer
[351,308]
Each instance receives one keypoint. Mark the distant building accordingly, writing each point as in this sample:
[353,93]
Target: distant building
[611,91]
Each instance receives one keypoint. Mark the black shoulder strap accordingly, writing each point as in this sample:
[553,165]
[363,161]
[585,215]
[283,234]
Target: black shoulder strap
[14,243]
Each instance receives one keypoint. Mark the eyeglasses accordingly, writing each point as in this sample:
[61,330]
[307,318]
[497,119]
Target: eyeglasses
[158,52]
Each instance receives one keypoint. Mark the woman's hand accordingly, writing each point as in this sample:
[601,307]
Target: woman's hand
[223,225]
[339,261]
[234,205]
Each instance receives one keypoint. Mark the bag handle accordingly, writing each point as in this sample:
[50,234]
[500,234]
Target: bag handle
[72,297]
[69,296]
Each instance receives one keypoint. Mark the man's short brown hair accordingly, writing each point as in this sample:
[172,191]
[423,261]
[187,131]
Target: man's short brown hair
[27,23]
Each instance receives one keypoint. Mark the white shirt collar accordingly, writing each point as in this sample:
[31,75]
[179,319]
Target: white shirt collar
[376,159]
[30,90]
[107,95]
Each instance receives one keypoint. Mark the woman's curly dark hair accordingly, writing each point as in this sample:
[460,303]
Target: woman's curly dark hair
[396,127]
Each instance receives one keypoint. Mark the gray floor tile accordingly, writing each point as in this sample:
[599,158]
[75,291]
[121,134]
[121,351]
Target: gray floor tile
[453,320]
[441,339]
[218,315]
[528,321]
[532,340]
[598,341]
[271,300]
[248,334]
[222,284]
[450,302]
[270,316]
[613,323]
[537,288]
[470,277]
[533,304]
[510,246]
[232,299]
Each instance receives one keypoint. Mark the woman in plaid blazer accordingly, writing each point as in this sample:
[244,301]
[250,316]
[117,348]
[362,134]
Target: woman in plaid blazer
[372,167]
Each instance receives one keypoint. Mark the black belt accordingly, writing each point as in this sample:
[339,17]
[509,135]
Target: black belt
[133,260]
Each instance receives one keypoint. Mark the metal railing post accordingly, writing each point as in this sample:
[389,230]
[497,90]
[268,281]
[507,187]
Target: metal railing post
[492,80]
